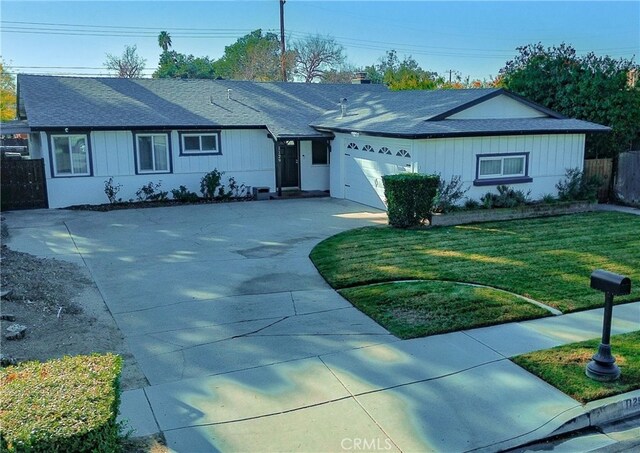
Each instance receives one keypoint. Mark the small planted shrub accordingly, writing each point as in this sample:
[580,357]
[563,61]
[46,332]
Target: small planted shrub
[576,186]
[505,198]
[63,405]
[111,191]
[151,192]
[470,204]
[211,184]
[548,199]
[212,188]
[409,198]
[449,194]
[184,195]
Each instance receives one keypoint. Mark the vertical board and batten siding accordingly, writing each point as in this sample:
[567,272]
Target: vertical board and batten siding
[549,158]
[247,155]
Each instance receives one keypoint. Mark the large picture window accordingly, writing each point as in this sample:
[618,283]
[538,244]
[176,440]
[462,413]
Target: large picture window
[70,155]
[152,152]
[507,168]
[200,143]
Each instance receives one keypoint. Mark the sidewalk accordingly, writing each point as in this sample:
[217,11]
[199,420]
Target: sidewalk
[452,392]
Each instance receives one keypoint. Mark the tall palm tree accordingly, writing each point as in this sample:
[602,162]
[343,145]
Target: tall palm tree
[164,40]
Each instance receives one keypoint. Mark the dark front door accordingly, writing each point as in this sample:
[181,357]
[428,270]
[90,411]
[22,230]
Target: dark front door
[290,175]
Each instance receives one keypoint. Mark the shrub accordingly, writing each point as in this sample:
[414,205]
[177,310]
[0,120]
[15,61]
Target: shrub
[505,198]
[67,404]
[211,187]
[470,203]
[111,191]
[409,198]
[548,199]
[151,192]
[575,186]
[449,194]
[210,184]
[184,195]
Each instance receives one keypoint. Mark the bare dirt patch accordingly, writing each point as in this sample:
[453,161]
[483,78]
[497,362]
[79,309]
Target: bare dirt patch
[64,314]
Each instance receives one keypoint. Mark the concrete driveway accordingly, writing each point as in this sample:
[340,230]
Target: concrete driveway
[246,348]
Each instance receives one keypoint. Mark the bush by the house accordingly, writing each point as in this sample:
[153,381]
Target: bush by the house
[409,198]
[184,195]
[212,188]
[576,186]
[505,198]
[151,192]
[63,405]
[449,194]
[111,191]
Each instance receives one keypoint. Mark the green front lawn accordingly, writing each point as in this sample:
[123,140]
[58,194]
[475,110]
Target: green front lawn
[564,367]
[417,309]
[548,259]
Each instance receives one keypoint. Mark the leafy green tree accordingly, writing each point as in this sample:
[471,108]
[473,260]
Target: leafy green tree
[315,55]
[7,93]
[255,56]
[405,74]
[590,87]
[342,74]
[129,65]
[164,41]
[174,65]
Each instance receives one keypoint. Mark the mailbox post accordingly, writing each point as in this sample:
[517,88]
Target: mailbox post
[602,366]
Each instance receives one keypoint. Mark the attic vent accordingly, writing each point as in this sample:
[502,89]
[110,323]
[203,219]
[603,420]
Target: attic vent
[229,90]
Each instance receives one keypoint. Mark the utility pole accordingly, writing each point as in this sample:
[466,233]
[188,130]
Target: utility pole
[283,62]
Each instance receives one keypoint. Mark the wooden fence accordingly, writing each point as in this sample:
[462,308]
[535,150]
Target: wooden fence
[603,169]
[23,184]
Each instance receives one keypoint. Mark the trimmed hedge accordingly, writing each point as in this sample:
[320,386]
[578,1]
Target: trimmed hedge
[63,405]
[409,198]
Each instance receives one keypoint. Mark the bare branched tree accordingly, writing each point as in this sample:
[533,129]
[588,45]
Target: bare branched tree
[316,55]
[129,65]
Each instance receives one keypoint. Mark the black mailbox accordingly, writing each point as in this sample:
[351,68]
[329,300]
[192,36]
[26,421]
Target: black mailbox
[608,282]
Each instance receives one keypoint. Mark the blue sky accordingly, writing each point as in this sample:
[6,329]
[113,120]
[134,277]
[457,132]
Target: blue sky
[473,38]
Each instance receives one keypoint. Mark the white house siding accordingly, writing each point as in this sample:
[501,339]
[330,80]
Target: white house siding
[356,175]
[247,155]
[498,107]
[312,177]
[549,158]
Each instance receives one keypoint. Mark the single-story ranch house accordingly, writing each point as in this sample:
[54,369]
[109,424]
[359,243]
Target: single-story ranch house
[337,137]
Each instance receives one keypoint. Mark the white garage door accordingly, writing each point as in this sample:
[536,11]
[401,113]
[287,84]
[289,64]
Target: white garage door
[365,164]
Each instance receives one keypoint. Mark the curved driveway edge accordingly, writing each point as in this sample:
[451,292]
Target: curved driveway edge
[247,348]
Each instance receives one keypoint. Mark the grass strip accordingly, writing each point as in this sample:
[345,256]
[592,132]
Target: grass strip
[416,309]
[547,259]
[564,367]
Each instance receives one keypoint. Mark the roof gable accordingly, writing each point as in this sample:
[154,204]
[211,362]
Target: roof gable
[499,107]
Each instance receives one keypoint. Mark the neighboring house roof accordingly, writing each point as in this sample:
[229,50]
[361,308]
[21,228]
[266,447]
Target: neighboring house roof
[287,110]
[14,127]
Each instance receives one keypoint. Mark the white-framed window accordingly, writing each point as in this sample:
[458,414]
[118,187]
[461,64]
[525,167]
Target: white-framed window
[319,153]
[200,143]
[70,155]
[502,168]
[152,153]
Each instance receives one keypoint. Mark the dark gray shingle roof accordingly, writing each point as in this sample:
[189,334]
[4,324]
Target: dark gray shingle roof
[285,109]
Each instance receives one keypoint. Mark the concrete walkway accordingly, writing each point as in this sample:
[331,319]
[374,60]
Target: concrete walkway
[247,349]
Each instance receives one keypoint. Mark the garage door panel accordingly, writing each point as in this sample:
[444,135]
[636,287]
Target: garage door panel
[363,177]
